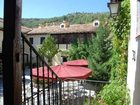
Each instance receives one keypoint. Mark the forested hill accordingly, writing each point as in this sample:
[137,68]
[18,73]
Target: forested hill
[73,18]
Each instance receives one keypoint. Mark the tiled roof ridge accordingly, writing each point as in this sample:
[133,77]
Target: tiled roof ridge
[56,29]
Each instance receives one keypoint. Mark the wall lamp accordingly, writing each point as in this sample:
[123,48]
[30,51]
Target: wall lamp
[114,7]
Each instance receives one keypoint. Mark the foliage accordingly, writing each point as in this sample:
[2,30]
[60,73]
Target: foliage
[111,95]
[48,49]
[72,18]
[99,54]
[116,93]
[32,22]
[121,29]
[78,50]
[92,102]
[97,51]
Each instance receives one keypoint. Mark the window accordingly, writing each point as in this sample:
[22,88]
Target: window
[42,39]
[64,58]
[63,40]
[31,40]
[56,37]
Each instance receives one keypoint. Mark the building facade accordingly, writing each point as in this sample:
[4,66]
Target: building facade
[64,34]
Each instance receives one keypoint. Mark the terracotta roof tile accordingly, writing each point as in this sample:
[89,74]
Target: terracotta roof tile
[23,28]
[76,28]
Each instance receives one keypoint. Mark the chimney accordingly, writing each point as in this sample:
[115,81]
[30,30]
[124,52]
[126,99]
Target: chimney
[39,26]
[96,23]
[64,24]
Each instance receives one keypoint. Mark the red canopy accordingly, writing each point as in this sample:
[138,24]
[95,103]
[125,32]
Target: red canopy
[64,72]
[40,72]
[80,62]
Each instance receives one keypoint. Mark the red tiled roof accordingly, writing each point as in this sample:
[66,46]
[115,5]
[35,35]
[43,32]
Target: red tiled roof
[23,28]
[76,28]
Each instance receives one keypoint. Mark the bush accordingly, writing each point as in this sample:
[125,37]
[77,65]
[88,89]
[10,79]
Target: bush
[78,50]
[114,93]
[48,49]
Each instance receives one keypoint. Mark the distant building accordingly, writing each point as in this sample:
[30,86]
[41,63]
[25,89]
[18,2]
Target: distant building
[64,34]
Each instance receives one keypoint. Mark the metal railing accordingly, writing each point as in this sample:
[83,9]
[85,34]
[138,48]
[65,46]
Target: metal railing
[49,89]
[38,90]
[80,92]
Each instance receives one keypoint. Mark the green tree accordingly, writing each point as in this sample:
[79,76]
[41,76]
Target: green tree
[120,27]
[72,18]
[48,49]
[99,54]
[78,50]
[116,93]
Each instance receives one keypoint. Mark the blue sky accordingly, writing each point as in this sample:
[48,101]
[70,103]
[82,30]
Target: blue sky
[52,8]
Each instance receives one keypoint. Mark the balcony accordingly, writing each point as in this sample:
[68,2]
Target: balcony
[19,86]
[52,90]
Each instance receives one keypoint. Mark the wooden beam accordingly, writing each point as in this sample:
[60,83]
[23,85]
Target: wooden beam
[11,53]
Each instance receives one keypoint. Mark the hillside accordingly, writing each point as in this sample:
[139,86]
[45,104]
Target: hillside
[73,18]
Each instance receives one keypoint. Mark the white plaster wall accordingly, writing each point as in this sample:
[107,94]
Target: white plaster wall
[36,39]
[36,42]
[132,67]
[57,59]
[133,75]
[136,93]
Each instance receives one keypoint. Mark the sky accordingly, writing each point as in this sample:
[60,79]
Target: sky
[54,8]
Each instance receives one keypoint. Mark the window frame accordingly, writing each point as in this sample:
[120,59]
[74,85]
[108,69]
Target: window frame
[42,39]
[31,40]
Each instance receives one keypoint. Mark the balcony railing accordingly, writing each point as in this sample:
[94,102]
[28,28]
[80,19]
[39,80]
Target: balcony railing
[51,90]
[36,90]
[80,92]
